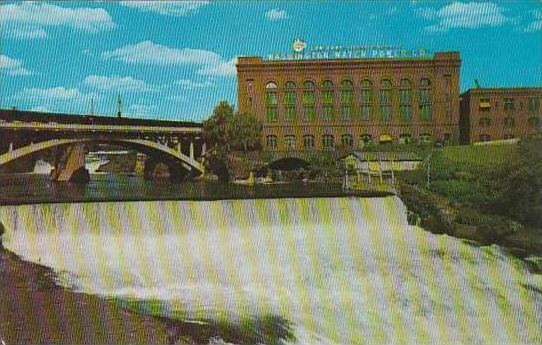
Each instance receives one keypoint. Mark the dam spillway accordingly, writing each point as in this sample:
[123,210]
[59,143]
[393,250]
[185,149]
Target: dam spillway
[341,270]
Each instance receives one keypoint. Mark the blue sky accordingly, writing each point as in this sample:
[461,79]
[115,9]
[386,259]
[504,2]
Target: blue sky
[176,60]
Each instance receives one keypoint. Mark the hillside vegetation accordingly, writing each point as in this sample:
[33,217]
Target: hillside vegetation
[494,189]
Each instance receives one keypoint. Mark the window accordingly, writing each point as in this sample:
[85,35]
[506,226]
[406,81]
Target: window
[509,104]
[308,101]
[308,142]
[385,100]
[534,121]
[290,142]
[385,139]
[425,99]
[425,138]
[327,100]
[534,105]
[405,100]
[347,99]
[271,101]
[290,101]
[485,105]
[328,141]
[405,138]
[366,140]
[271,141]
[485,137]
[366,99]
[347,140]
[509,121]
[485,122]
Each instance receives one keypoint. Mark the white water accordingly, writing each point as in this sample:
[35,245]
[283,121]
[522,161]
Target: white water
[343,270]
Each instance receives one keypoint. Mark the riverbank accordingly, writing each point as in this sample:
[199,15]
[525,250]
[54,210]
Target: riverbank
[35,309]
[489,194]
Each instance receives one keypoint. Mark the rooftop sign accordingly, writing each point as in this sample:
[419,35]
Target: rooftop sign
[300,51]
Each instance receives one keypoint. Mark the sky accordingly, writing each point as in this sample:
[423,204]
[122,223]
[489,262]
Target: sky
[175,60]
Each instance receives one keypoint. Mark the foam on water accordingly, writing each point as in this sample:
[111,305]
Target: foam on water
[342,270]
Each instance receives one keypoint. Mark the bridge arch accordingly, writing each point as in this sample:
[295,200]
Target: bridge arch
[142,145]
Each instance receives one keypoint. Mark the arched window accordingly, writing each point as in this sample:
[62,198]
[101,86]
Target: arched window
[425,99]
[327,100]
[290,101]
[271,141]
[425,138]
[289,140]
[366,140]
[308,101]
[385,100]
[385,139]
[328,142]
[347,140]
[271,101]
[308,142]
[405,138]
[347,99]
[485,137]
[405,100]
[366,99]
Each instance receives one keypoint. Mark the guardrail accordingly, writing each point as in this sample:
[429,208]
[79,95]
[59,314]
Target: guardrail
[51,126]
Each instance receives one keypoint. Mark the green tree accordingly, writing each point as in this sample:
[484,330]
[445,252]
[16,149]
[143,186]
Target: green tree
[215,128]
[245,132]
[229,130]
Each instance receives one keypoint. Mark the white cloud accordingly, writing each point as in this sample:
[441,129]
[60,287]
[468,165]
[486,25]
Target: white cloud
[12,66]
[27,33]
[190,84]
[141,110]
[58,93]
[29,19]
[470,15]
[276,14]
[151,53]
[536,24]
[41,109]
[220,69]
[167,8]
[118,83]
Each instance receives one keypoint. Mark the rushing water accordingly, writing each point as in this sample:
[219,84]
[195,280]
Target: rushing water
[341,270]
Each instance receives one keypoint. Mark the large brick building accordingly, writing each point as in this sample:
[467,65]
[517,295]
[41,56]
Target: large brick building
[323,103]
[500,113]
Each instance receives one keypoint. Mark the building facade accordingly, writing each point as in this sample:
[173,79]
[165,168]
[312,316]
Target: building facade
[500,113]
[324,104]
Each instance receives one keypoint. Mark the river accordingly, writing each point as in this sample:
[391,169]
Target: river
[337,270]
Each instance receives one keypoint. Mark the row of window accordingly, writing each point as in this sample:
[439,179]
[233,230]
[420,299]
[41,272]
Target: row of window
[509,121]
[346,97]
[347,140]
[510,104]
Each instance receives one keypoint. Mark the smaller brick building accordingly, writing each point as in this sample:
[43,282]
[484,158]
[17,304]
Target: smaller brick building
[500,113]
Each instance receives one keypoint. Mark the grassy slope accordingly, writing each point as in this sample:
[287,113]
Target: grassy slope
[462,176]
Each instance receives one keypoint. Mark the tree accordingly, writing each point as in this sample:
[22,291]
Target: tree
[245,132]
[229,130]
[215,128]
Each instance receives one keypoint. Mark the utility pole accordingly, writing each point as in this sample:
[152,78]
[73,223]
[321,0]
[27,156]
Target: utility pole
[119,106]
[92,106]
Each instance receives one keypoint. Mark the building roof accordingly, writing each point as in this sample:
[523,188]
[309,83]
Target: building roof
[503,90]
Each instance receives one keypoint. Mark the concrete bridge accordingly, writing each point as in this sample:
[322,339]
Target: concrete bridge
[178,145]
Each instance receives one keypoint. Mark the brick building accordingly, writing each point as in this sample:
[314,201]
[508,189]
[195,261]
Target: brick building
[320,104]
[500,113]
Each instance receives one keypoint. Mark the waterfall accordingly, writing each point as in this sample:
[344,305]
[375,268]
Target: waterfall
[342,270]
